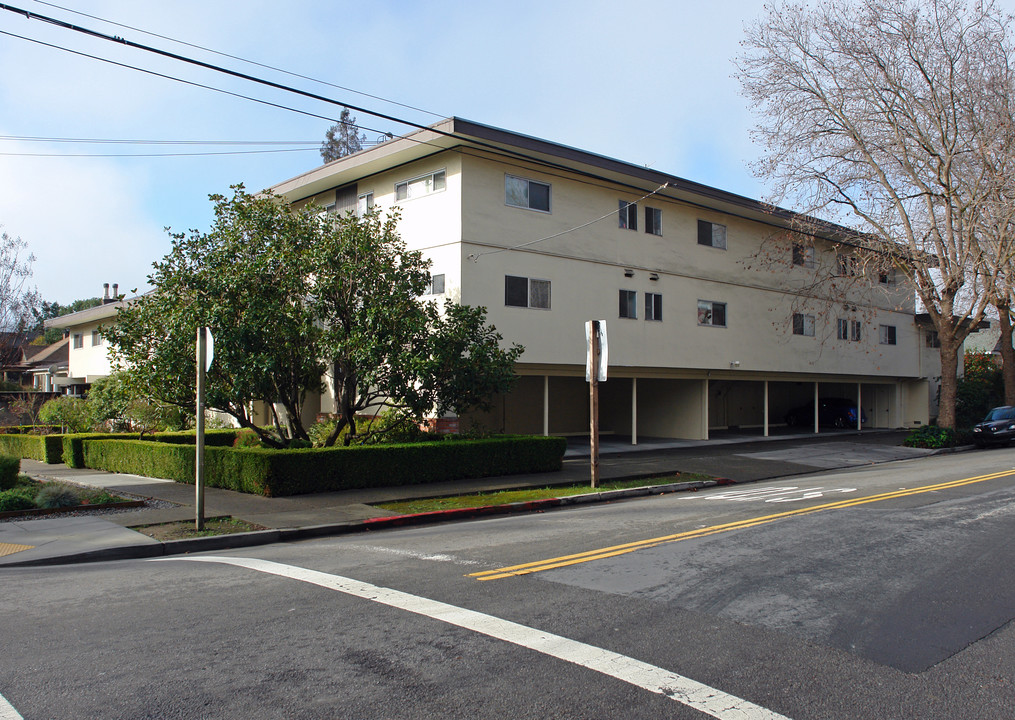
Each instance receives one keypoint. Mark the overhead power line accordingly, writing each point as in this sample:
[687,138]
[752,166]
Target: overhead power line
[243,60]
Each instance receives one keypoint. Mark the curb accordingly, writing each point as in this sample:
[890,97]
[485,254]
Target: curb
[170,548]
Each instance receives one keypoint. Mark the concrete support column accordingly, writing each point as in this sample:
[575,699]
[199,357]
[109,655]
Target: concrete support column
[546,405]
[816,425]
[859,406]
[634,411]
[766,408]
[705,408]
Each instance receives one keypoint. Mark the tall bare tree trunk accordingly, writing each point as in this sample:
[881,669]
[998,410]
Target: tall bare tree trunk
[949,381]
[1007,353]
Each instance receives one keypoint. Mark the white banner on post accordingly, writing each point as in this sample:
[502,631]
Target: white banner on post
[604,355]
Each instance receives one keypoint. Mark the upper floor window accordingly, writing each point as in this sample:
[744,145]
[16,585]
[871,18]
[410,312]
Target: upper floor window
[711,234]
[628,304]
[530,194]
[803,324]
[847,265]
[887,277]
[78,341]
[96,338]
[436,286]
[419,186]
[803,255]
[849,329]
[363,204]
[711,313]
[887,334]
[654,221]
[526,292]
[653,306]
[628,215]
[932,339]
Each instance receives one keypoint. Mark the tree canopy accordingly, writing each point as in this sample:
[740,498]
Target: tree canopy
[894,116]
[296,298]
[343,138]
[18,301]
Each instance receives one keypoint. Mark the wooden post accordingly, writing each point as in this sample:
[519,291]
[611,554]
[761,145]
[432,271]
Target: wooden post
[594,403]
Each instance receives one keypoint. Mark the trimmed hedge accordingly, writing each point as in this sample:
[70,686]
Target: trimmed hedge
[278,473]
[9,468]
[73,445]
[45,448]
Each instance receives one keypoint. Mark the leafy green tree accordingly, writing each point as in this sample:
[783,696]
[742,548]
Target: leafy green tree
[342,138]
[116,403]
[384,347]
[47,310]
[246,279]
[72,414]
[979,389]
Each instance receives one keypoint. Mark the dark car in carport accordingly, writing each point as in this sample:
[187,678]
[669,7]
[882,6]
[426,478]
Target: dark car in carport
[832,412]
[998,428]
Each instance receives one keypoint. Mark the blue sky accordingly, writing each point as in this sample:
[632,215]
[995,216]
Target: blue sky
[648,82]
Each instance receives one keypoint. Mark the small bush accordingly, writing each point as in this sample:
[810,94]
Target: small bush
[932,436]
[10,466]
[17,499]
[246,439]
[56,495]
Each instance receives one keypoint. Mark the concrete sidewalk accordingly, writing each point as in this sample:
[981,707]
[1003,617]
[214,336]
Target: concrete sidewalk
[59,539]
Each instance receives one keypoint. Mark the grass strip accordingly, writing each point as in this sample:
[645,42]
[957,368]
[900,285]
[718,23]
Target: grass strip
[503,497]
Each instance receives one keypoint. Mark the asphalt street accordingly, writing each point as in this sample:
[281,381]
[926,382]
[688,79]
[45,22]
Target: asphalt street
[876,592]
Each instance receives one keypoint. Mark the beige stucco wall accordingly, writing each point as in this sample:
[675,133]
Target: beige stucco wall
[89,361]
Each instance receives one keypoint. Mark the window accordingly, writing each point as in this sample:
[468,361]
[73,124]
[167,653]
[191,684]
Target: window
[803,255]
[96,338]
[848,265]
[436,286]
[887,277]
[628,304]
[887,334]
[525,292]
[803,324]
[628,215]
[79,341]
[422,185]
[363,204]
[711,234]
[654,221]
[849,330]
[653,306]
[711,313]
[932,339]
[530,194]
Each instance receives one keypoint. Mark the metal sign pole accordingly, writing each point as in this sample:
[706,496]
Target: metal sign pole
[202,346]
[594,351]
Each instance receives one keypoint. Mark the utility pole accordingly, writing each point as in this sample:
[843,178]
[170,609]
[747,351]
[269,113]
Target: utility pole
[595,371]
[204,358]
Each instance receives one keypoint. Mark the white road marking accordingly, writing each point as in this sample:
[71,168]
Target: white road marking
[7,711]
[438,557]
[771,495]
[640,674]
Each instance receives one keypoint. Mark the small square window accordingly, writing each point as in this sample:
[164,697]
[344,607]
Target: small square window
[96,338]
[436,286]
[848,265]
[525,292]
[803,324]
[653,306]
[887,277]
[628,215]
[653,221]
[711,313]
[628,304]
[78,341]
[855,330]
[803,255]
[363,204]
[932,340]
[887,334]
[711,234]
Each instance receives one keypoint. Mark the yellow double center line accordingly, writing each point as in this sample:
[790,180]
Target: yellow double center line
[615,550]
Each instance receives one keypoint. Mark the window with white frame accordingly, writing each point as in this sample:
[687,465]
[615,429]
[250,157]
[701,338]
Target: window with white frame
[628,215]
[847,265]
[363,204]
[711,234]
[420,186]
[436,286]
[78,341]
[653,306]
[851,330]
[96,338]
[628,304]
[803,255]
[803,324]
[711,313]
[523,193]
[653,221]
[887,334]
[526,292]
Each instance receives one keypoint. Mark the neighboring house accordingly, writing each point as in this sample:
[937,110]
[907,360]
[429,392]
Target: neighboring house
[34,366]
[718,315]
[88,351]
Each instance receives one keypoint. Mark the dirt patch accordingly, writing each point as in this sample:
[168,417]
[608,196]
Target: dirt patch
[185,529]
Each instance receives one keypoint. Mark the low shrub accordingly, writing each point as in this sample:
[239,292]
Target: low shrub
[10,466]
[932,436]
[16,499]
[45,448]
[57,495]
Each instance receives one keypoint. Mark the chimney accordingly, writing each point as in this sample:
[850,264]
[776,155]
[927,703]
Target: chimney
[105,292]
[116,295]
